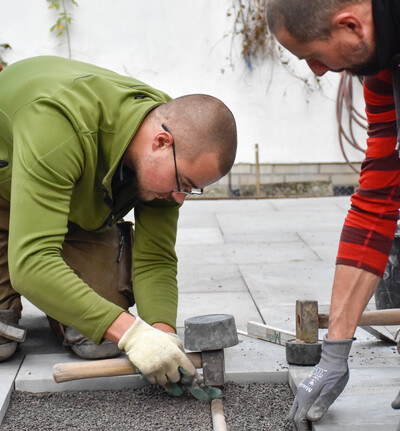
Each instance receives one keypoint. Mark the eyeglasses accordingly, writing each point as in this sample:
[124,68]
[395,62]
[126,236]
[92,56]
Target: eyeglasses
[193,191]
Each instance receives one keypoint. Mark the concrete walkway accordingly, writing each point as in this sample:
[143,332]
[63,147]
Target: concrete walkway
[252,259]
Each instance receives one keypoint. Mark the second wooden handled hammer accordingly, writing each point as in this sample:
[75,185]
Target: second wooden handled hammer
[306,348]
[103,368]
[12,332]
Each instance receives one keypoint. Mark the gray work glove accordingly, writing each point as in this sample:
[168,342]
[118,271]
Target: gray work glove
[321,388]
[160,358]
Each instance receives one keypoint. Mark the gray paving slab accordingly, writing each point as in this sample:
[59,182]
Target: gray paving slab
[35,375]
[239,304]
[367,351]
[191,218]
[269,221]
[226,205]
[323,243]
[327,204]
[250,361]
[8,372]
[244,253]
[261,238]
[211,278]
[254,360]
[282,283]
[364,403]
[199,235]
[39,339]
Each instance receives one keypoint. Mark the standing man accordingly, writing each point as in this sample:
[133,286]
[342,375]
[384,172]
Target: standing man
[362,37]
[80,146]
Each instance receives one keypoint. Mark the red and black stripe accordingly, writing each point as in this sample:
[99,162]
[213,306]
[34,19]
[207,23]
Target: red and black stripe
[371,222]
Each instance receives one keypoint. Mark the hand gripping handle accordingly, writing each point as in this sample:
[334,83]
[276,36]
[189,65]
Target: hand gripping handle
[104,368]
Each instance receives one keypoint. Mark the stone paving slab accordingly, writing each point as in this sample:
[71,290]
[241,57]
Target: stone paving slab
[239,304]
[250,361]
[364,403]
[284,282]
[323,243]
[244,253]
[199,235]
[259,240]
[326,204]
[36,375]
[211,278]
[8,372]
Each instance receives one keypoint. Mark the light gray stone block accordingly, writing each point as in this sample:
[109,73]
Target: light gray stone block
[36,375]
[8,372]
[364,403]
[245,253]
[210,278]
[282,283]
[239,304]
[199,235]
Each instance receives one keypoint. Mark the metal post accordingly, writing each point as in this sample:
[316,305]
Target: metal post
[257,172]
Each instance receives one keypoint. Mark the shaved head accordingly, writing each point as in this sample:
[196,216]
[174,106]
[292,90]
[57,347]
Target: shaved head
[305,20]
[200,124]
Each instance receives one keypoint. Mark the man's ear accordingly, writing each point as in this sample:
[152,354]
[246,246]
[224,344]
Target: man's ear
[350,22]
[161,141]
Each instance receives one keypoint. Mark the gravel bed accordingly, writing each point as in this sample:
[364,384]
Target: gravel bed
[249,407]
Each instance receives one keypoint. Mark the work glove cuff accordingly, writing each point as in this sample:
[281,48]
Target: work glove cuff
[335,352]
[137,326]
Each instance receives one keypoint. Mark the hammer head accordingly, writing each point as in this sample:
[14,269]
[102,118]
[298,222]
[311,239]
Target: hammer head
[210,332]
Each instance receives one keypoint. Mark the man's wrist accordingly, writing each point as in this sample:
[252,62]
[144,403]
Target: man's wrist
[338,333]
[352,289]
[163,327]
[118,328]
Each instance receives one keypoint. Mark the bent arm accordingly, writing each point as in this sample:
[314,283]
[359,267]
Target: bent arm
[371,222]
[47,163]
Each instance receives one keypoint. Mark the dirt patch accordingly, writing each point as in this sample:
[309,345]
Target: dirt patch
[250,407]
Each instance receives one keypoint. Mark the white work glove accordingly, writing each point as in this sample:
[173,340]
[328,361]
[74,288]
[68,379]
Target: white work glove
[320,389]
[160,358]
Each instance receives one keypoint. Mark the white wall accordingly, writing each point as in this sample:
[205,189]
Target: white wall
[180,47]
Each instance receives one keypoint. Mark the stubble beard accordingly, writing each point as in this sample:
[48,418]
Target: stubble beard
[368,66]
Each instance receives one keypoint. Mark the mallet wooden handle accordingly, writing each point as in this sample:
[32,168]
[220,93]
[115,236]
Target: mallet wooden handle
[218,416]
[369,318]
[15,333]
[104,368]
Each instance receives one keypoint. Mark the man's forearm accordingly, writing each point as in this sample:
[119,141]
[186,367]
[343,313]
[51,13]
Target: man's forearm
[351,292]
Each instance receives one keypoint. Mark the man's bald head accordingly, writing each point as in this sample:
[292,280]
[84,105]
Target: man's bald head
[200,124]
[305,20]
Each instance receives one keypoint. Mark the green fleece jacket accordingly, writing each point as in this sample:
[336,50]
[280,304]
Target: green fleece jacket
[64,127]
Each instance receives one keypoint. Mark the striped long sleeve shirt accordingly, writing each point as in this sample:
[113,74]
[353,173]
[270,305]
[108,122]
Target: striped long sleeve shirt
[371,222]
